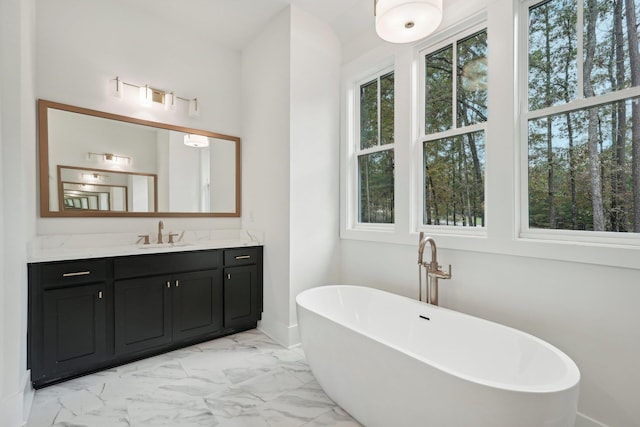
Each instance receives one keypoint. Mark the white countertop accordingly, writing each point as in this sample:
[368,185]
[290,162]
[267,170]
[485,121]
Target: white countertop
[82,246]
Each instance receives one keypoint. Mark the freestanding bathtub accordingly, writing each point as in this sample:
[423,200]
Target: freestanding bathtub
[392,361]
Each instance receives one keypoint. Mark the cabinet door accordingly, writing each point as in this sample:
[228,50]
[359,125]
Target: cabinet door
[240,295]
[74,328]
[142,311]
[197,303]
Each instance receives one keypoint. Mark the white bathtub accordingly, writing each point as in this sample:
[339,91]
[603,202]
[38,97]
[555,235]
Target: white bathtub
[391,361]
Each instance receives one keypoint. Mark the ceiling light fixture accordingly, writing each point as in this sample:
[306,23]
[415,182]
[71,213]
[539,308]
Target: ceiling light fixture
[198,141]
[405,21]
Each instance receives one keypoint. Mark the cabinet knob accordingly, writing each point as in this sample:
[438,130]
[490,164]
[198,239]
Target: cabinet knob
[228,276]
[100,295]
[177,283]
[168,284]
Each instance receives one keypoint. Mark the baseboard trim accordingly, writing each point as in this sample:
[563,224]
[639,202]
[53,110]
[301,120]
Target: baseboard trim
[28,394]
[585,421]
[294,336]
[286,336]
[15,408]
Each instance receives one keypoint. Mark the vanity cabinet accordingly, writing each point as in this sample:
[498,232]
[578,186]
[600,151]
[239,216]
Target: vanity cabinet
[87,315]
[241,286]
[142,314]
[158,310]
[70,308]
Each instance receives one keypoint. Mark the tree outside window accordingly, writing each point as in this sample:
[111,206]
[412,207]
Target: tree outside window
[583,118]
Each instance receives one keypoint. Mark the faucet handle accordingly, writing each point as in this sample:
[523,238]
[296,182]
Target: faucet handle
[439,273]
[145,237]
[171,235]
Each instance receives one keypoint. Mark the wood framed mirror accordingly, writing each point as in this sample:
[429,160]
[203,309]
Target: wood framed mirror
[100,164]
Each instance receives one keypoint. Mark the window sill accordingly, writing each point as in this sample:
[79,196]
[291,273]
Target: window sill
[581,252]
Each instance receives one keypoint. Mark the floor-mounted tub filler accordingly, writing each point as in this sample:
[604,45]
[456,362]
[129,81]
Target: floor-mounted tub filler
[393,361]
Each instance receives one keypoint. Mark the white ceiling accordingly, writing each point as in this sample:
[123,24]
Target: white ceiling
[235,23]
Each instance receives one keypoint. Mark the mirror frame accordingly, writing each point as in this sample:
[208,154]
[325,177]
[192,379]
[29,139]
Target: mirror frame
[43,145]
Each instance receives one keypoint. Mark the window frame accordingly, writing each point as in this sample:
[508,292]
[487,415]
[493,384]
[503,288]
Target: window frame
[581,103]
[448,39]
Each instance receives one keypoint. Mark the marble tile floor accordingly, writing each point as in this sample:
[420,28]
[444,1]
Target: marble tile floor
[243,380]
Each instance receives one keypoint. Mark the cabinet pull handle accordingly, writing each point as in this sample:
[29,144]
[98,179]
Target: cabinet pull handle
[177,283]
[100,295]
[229,276]
[77,273]
[243,257]
[168,284]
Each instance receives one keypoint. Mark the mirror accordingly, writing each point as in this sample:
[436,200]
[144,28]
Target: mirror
[100,164]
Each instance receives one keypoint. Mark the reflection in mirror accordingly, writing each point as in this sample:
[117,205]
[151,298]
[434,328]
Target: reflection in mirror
[115,191]
[100,164]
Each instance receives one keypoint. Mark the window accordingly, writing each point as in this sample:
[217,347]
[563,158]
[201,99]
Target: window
[374,152]
[582,118]
[453,134]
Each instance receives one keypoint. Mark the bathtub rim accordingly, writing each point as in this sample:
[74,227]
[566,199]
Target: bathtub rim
[570,380]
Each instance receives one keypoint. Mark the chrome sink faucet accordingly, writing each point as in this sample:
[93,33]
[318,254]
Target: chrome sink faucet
[160,227]
[433,270]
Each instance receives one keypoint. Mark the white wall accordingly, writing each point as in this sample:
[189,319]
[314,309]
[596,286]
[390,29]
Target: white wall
[82,45]
[17,213]
[314,155]
[265,166]
[581,298]
[290,170]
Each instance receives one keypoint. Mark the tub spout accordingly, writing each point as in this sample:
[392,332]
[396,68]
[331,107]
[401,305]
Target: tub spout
[433,270]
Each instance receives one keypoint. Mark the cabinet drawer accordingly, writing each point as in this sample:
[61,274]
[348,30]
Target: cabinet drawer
[240,256]
[155,264]
[73,273]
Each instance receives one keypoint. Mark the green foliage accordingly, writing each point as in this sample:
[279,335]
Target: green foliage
[453,191]
[376,187]
[561,183]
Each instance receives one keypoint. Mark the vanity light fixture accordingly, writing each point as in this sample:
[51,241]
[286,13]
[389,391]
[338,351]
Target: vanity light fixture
[94,176]
[198,141]
[111,158]
[405,21]
[149,95]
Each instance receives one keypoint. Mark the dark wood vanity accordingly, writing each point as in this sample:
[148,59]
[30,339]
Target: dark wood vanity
[90,314]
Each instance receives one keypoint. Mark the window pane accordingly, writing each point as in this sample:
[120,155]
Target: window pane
[581,168]
[472,80]
[386,109]
[552,53]
[369,114]
[606,46]
[454,180]
[438,90]
[376,187]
